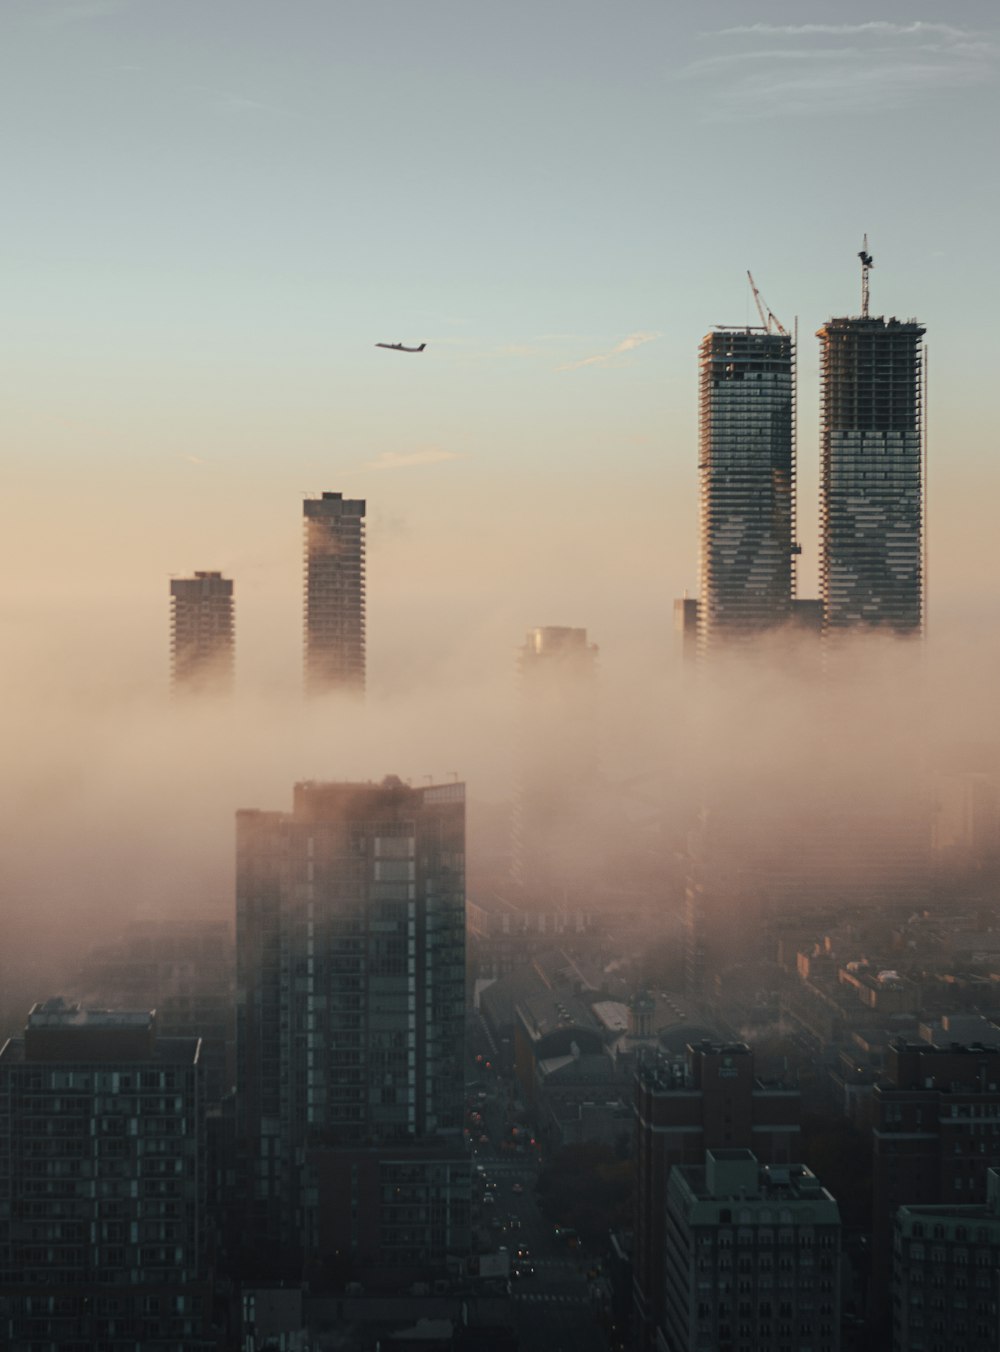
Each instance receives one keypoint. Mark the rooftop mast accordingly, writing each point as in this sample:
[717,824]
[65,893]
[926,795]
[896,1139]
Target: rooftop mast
[866,265]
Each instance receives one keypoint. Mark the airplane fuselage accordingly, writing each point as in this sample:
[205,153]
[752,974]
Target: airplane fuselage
[398,347]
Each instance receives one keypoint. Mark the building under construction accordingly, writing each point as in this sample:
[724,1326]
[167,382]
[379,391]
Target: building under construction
[202,633]
[334,594]
[746,469]
[873,472]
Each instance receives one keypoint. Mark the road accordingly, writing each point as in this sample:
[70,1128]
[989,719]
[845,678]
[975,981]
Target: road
[556,1308]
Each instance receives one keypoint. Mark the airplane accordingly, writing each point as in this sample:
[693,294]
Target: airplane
[398,347]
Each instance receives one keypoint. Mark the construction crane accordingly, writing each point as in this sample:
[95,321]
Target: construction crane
[767,315]
[867,263]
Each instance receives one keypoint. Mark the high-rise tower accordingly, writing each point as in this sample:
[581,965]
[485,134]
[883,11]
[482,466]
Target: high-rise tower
[334,594]
[202,633]
[350,951]
[871,494]
[556,761]
[746,465]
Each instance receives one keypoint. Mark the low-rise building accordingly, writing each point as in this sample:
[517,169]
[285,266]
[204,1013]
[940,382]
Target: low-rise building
[752,1258]
[945,1263]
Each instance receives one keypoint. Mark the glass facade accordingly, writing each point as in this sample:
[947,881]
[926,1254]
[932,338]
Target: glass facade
[871,497]
[747,480]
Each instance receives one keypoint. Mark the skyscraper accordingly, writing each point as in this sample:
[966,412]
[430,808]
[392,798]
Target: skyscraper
[872,485]
[334,594]
[350,936]
[202,633]
[556,760]
[746,464]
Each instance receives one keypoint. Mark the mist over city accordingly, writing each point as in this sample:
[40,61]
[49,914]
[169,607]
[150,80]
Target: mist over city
[500,811]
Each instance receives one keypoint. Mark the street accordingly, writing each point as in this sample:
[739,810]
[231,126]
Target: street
[555,1306]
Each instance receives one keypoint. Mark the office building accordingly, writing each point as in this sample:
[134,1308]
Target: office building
[944,1283]
[746,464]
[334,594]
[934,1139]
[350,951]
[708,1100]
[556,765]
[102,1185]
[202,636]
[752,1257]
[872,475]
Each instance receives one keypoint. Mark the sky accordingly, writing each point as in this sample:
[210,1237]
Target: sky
[215,208]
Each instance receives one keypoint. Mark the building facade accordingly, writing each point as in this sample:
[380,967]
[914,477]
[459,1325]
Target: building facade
[102,1186]
[752,1258]
[334,602]
[872,475]
[934,1139]
[350,986]
[944,1284]
[746,466]
[709,1100]
[202,633]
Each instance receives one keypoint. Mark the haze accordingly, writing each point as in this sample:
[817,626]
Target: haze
[214,213]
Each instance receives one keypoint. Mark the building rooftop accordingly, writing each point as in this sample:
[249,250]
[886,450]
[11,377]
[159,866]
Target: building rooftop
[59,1013]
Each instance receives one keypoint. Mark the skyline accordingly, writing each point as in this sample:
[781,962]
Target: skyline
[190,352]
[192,318]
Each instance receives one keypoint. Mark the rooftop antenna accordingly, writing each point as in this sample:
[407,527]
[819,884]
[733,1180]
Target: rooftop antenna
[866,266]
[767,315]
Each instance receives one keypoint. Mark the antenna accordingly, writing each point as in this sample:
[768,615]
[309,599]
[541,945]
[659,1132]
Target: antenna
[767,315]
[867,264]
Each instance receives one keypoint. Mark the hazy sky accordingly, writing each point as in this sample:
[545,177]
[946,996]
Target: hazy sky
[214,209]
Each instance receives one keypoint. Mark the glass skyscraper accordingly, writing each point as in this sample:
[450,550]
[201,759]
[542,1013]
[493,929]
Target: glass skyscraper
[871,496]
[746,470]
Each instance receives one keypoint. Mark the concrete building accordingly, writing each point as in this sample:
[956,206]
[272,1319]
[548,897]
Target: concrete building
[944,1282]
[102,1185]
[202,633]
[746,464]
[872,475]
[334,594]
[556,768]
[708,1100]
[752,1258]
[350,943]
[935,1139]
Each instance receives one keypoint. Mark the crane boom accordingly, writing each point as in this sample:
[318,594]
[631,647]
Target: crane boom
[767,315]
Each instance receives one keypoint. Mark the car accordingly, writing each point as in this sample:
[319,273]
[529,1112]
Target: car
[489,1199]
[523,1270]
[518,1188]
[523,1253]
[514,1221]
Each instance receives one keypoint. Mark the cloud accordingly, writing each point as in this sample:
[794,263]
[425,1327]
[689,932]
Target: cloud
[628,344]
[81,11]
[426,455]
[878,27]
[237,105]
[773,70]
